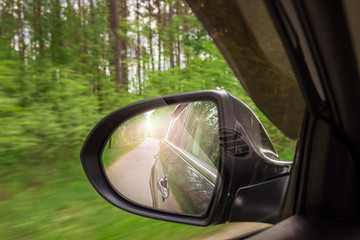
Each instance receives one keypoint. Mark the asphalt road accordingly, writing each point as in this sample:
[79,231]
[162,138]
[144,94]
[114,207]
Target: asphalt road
[130,174]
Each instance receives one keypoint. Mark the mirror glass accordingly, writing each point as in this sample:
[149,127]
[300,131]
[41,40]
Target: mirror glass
[167,158]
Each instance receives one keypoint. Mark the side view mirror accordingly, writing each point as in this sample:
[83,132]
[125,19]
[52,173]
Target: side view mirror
[199,158]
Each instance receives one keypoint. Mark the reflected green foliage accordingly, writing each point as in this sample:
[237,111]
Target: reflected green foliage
[201,137]
[134,131]
[58,79]
[119,147]
[192,140]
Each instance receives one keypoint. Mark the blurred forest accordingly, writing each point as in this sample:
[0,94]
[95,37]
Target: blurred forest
[64,64]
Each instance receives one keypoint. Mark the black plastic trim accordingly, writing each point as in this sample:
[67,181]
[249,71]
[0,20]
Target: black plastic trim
[261,202]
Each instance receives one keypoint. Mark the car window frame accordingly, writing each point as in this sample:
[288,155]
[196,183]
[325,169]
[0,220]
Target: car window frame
[210,172]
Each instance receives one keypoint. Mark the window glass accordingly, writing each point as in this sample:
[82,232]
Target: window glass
[68,63]
[201,137]
[176,126]
[248,39]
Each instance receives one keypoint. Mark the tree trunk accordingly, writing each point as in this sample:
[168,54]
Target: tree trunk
[178,41]
[92,13]
[159,30]
[151,35]
[186,32]
[21,44]
[3,18]
[123,45]
[83,23]
[114,27]
[137,50]
[38,39]
[171,35]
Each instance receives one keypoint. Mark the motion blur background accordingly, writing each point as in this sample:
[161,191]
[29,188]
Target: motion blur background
[64,64]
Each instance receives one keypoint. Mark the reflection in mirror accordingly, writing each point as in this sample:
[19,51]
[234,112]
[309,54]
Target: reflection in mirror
[167,158]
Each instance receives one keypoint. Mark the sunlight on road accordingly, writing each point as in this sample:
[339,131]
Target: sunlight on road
[130,174]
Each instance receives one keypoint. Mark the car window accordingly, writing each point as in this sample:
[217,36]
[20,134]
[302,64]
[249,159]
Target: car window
[177,124]
[65,64]
[247,37]
[201,135]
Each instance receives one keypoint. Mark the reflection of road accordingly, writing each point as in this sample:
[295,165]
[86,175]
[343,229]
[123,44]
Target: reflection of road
[130,174]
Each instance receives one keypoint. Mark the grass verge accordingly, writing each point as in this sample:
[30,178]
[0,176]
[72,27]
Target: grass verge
[57,202]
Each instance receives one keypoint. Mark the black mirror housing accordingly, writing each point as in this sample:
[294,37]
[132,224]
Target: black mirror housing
[249,168]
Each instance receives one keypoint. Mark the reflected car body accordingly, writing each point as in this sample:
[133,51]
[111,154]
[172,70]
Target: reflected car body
[184,174]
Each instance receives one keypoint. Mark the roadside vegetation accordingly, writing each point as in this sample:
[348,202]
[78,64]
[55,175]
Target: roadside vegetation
[63,66]
[124,139]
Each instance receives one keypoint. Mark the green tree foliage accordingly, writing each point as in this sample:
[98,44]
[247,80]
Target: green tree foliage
[59,75]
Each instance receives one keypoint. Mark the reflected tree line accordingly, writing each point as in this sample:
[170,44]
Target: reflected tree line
[130,134]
